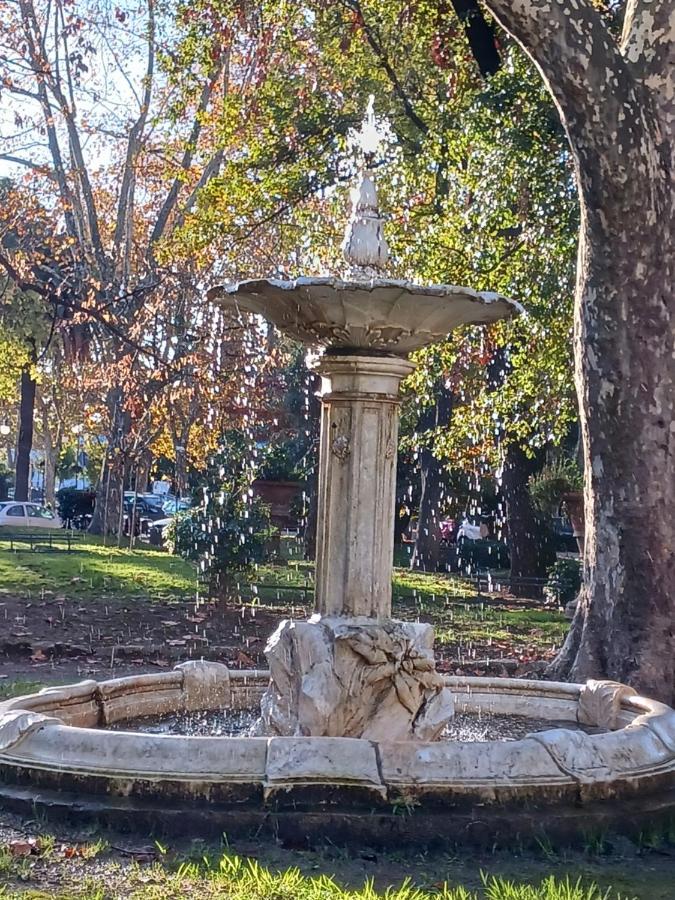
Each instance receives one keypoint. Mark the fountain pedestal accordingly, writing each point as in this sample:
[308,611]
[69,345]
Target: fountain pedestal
[351,670]
[357,483]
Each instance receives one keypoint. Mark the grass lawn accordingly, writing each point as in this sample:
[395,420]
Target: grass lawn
[115,583]
[94,569]
[94,870]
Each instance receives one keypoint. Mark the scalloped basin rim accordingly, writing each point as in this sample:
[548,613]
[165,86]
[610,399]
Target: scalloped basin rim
[384,316]
[370,284]
[638,747]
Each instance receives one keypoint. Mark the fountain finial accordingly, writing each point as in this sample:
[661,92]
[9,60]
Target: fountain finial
[365,247]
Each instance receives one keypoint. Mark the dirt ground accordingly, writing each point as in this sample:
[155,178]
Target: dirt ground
[55,639]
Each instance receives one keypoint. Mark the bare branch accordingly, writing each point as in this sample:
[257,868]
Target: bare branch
[172,197]
[378,50]
[125,209]
[73,224]
[44,170]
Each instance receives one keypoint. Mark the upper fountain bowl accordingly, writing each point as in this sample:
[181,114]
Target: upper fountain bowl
[377,315]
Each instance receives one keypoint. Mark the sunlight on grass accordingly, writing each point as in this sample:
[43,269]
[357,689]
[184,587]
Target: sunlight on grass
[235,878]
[93,567]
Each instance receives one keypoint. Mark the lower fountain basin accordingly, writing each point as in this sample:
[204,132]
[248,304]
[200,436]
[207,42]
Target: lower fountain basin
[59,756]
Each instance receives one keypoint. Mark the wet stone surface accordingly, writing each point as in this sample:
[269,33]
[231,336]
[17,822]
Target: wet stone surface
[213,723]
[239,723]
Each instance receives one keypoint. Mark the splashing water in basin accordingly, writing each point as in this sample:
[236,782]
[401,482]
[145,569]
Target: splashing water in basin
[241,723]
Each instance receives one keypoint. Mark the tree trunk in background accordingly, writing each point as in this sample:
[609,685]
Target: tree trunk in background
[51,444]
[51,457]
[180,445]
[25,441]
[428,548]
[529,536]
[110,487]
[142,472]
[616,100]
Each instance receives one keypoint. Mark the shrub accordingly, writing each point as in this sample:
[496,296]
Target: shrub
[564,581]
[6,481]
[72,504]
[549,486]
[228,530]
[282,462]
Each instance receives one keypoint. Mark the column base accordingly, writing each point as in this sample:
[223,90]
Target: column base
[354,677]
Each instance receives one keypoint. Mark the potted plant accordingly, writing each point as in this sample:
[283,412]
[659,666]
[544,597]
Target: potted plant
[279,482]
[561,482]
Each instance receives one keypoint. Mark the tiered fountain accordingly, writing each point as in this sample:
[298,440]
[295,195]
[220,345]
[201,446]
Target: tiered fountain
[352,710]
[351,670]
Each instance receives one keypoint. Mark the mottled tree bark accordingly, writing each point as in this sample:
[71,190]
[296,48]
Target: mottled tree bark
[617,101]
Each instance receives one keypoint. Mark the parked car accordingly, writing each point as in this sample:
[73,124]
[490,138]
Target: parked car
[174,505]
[27,515]
[157,530]
[148,506]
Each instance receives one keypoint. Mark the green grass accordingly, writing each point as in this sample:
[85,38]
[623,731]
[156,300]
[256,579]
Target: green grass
[235,878]
[146,571]
[92,567]
[9,689]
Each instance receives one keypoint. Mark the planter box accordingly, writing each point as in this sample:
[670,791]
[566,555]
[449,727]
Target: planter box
[279,495]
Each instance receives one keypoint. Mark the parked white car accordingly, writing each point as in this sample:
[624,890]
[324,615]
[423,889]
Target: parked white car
[27,515]
[472,532]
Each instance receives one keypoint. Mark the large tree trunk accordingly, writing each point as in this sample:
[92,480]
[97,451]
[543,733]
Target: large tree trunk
[624,624]
[617,105]
[530,545]
[25,442]
[428,546]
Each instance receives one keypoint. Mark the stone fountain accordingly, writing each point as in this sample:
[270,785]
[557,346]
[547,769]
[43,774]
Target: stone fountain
[352,707]
[351,670]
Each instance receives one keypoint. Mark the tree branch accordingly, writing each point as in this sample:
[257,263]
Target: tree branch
[480,35]
[378,50]
[125,209]
[598,96]
[44,170]
[191,145]
[73,224]
[648,46]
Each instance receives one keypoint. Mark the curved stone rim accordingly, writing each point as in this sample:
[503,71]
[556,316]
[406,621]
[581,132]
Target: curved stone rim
[335,312]
[370,284]
[550,767]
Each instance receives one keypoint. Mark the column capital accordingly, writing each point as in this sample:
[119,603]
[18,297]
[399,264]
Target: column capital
[362,374]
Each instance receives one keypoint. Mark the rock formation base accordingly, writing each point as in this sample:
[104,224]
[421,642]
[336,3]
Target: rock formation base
[354,677]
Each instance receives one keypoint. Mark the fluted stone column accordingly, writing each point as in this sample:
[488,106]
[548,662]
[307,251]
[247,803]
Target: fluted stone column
[357,484]
[351,670]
